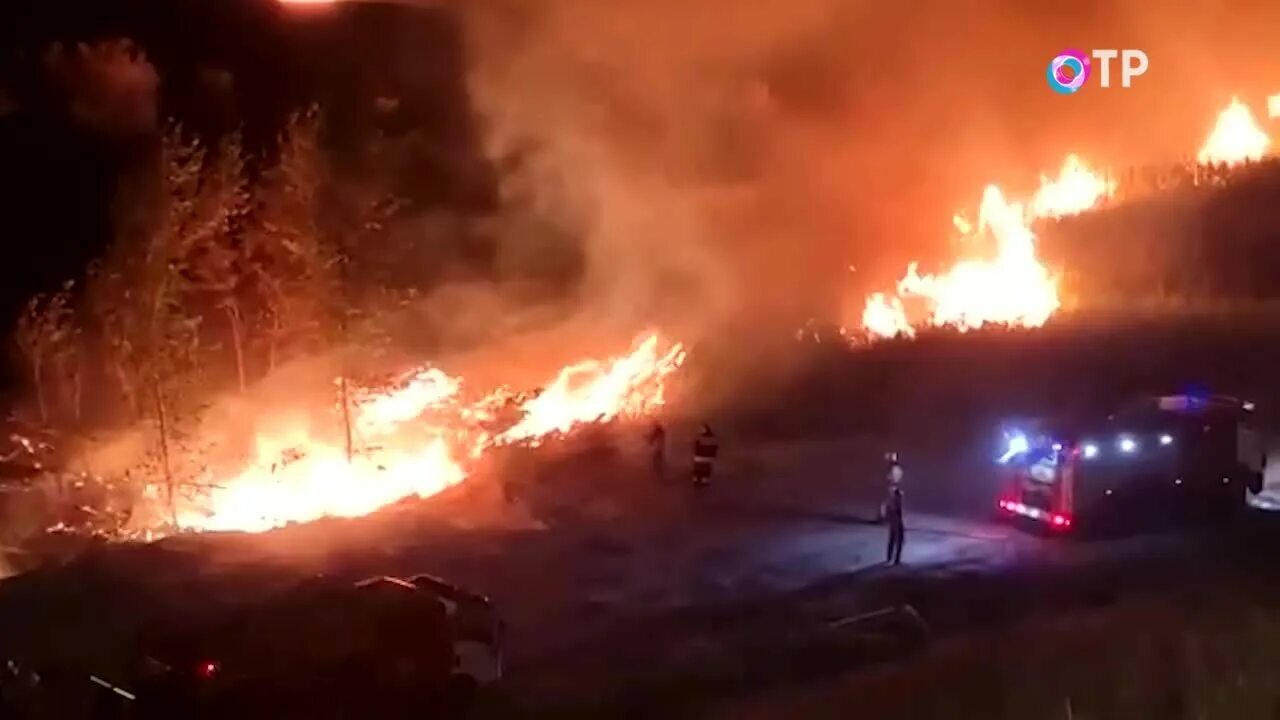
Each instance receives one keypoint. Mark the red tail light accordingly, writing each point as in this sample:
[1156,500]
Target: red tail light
[1060,521]
[206,669]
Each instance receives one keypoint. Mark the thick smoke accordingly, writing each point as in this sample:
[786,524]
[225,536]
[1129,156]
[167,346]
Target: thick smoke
[650,131]
[109,86]
[730,161]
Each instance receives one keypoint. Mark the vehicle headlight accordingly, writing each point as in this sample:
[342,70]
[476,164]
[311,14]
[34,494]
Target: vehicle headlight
[1016,443]
[1089,451]
[1166,439]
[1127,444]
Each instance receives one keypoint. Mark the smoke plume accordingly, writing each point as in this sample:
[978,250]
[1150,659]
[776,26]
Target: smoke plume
[729,161]
[109,86]
[650,131]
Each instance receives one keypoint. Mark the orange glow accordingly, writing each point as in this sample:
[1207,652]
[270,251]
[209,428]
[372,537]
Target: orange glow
[1012,287]
[886,317]
[425,439]
[593,391]
[1273,106]
[1236,137]
[1076,189]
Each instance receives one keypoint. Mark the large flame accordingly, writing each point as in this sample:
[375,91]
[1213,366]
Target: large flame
[1012,287]
[593,391]
[419,437]
[1236,137]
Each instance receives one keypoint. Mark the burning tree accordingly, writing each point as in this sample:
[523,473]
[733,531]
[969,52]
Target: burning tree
[294,269]
[300,244]
[173,263]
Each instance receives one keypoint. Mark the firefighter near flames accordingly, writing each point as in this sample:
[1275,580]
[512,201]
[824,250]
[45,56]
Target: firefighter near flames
[705,449]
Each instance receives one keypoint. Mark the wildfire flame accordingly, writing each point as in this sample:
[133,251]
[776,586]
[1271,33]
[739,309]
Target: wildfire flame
[592,391]
[1236,137]
[885,316]
[1011,288]
[1014,288]
[1076,189]
[428,436]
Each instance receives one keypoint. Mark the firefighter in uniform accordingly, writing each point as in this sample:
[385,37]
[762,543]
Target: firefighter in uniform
[657,440]
[705,448]
[891,511]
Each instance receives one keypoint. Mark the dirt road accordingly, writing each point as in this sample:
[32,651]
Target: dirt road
[636,595]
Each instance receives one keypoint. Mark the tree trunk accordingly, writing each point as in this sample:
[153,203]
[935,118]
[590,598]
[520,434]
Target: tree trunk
[237,341]
[127,389]
[271,343]
[346,414]
[77,388]
[40,400]
[163,424]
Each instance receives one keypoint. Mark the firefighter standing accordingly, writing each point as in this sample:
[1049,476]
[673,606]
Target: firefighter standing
[657,439]
[705,448]
[891,511]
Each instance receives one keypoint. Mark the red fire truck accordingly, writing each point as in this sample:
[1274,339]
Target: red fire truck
[1197,451]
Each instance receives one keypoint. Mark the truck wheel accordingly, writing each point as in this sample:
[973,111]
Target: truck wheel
[460,694]
[1254,482]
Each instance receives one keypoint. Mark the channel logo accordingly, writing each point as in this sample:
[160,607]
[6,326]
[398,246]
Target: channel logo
[1068,71]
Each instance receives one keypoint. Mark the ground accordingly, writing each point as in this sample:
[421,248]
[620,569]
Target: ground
[632,596]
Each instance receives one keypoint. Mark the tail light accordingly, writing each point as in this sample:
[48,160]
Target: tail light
[207,669]
[1060,521]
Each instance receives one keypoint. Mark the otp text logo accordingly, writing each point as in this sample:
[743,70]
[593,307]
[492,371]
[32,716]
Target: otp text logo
[1068,71]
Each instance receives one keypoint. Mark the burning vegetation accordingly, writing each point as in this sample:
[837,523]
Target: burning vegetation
[1012,286]
[230,266]
[418,435]
[226,272]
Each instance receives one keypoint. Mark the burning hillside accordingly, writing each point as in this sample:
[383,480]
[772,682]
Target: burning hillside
[1011,286]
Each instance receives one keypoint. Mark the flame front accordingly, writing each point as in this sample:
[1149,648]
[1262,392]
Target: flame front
[1236,137]
[592,391]
[419,438]
[1011,288]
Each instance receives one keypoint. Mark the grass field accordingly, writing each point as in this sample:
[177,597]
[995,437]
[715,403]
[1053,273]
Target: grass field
[1204,654]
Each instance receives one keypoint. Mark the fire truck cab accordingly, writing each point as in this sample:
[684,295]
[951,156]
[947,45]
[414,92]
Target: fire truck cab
[1152,453]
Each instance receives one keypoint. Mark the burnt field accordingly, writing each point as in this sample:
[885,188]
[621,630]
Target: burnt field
[726,600]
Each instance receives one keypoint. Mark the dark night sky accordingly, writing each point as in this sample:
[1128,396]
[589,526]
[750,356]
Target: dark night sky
[776,142]
[57,176]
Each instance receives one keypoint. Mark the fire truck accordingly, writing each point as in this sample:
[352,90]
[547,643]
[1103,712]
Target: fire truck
[1161,453]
